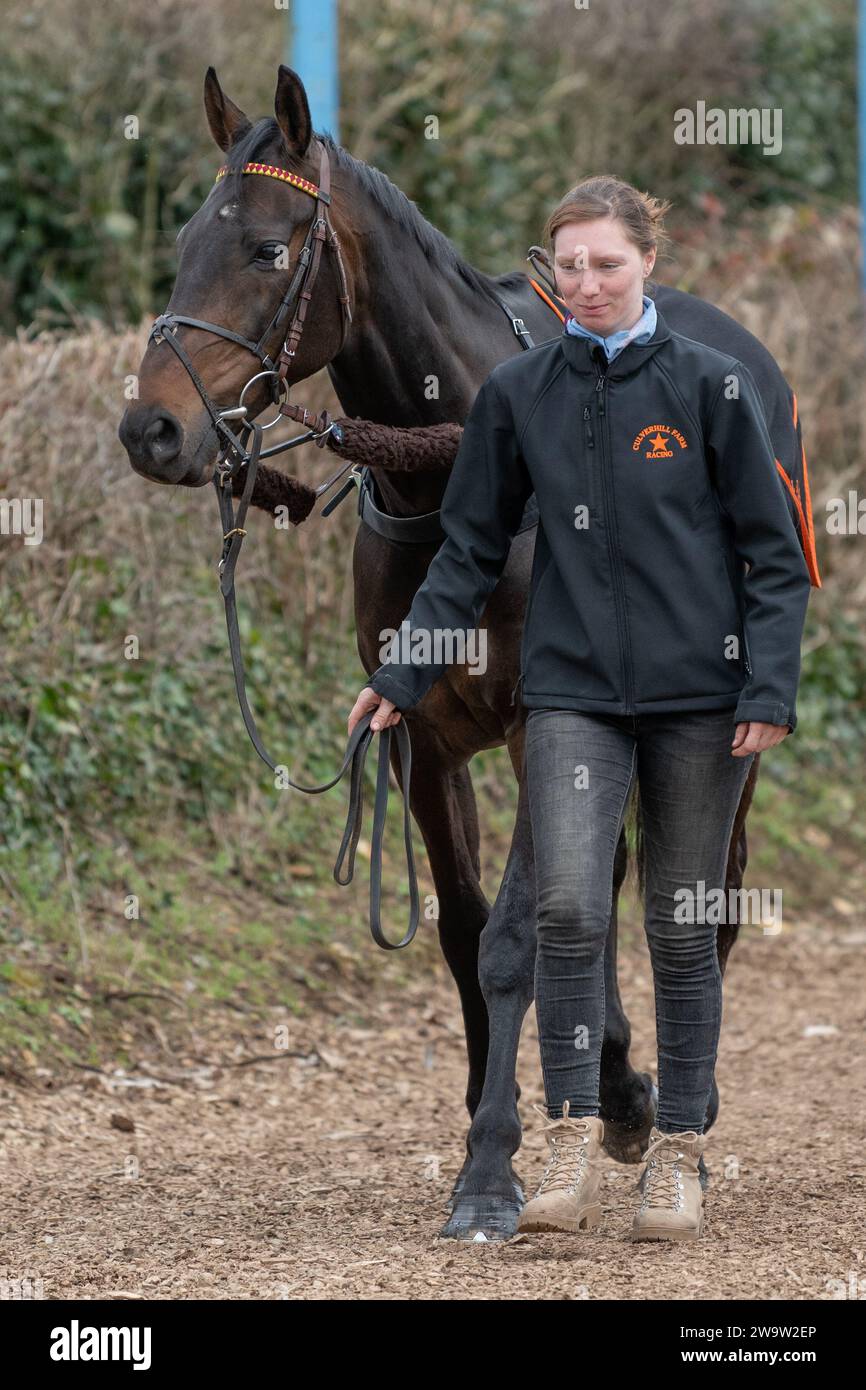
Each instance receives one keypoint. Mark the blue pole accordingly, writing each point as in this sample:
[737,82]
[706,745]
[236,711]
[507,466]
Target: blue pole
[861,126]
[311,49]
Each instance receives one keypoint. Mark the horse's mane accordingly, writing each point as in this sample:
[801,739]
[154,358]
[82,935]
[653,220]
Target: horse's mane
[391,201]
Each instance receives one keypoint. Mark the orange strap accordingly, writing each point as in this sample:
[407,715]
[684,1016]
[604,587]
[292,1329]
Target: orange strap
[804,509]
[547,299]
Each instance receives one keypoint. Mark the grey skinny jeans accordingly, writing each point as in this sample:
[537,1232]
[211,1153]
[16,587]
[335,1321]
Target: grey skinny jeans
[579,770]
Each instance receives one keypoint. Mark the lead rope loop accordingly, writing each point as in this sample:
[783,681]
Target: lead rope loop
[233,533]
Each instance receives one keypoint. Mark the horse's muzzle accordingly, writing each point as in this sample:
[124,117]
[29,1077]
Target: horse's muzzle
[154,441]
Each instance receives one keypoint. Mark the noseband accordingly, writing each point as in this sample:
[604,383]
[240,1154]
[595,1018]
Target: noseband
[245,449]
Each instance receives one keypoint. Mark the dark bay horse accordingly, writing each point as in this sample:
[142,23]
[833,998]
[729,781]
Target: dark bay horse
[419,315]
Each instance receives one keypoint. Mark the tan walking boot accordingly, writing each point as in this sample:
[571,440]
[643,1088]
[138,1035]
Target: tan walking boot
[672,1207]
[568,1194]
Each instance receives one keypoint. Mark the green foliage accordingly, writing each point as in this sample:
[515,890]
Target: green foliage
[87,220]
[806,64]
[832,695]
[85,733]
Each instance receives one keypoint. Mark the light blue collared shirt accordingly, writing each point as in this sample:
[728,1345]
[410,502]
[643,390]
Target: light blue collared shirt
[640,332]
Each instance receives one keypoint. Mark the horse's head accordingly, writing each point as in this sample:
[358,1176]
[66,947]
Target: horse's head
[238,261]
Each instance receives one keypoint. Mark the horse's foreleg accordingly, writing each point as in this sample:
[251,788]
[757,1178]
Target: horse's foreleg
[443,804]
[488,1198]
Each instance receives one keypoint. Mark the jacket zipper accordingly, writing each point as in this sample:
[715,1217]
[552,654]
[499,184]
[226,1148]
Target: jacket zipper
[587,427]
[745,641]
[616,567]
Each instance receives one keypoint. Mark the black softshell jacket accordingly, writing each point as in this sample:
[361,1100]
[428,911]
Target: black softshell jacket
[664,533]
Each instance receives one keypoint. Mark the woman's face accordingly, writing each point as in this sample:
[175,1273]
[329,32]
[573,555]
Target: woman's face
[599,273]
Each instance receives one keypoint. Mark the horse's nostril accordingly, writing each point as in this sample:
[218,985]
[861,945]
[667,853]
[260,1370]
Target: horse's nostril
[162,439]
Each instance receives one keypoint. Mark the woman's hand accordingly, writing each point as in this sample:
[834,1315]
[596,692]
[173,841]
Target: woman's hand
[754,737]
[368,699]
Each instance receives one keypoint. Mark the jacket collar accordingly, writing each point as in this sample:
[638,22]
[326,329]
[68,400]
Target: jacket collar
[578,352]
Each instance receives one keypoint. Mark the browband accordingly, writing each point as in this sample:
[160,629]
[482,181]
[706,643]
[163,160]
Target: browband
[271,171]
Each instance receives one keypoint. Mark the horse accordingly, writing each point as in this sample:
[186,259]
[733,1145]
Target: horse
[395,307]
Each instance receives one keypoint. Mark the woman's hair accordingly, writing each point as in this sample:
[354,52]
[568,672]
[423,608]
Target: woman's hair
[603,195]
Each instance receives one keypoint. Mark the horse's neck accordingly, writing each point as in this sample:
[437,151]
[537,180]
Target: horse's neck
[421,343]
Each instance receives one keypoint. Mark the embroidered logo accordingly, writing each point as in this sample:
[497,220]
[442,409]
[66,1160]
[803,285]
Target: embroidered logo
[659,438]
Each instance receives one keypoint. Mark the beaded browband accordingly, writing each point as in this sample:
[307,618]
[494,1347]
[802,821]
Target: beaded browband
[272,172]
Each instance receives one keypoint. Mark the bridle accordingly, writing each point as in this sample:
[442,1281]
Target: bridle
[245,450]
[297,297]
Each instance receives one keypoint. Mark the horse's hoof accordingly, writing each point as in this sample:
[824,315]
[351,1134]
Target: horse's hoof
[627,1143]
[519,1194]
[482,1218]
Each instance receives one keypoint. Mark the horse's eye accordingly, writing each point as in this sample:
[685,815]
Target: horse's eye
[270,252]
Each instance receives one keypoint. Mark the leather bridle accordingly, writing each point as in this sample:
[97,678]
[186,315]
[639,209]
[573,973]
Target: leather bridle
[245,450]
[297,297]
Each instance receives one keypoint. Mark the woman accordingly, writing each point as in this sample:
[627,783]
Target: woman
[649,649]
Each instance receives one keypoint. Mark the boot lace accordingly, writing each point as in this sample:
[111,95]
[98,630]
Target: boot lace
[664,1180]
[568,1151]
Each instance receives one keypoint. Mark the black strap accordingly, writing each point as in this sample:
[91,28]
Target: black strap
[298,281]
[524,337]
[162,331]
[167,321]
[421,529]
[359,739]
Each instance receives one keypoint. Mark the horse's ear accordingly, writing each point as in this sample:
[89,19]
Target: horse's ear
[292,111]
[226,120]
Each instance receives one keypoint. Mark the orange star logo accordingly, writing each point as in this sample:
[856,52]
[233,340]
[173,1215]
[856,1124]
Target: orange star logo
[661,439]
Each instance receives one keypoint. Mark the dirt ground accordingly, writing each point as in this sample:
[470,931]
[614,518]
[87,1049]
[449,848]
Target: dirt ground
[323,1174]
